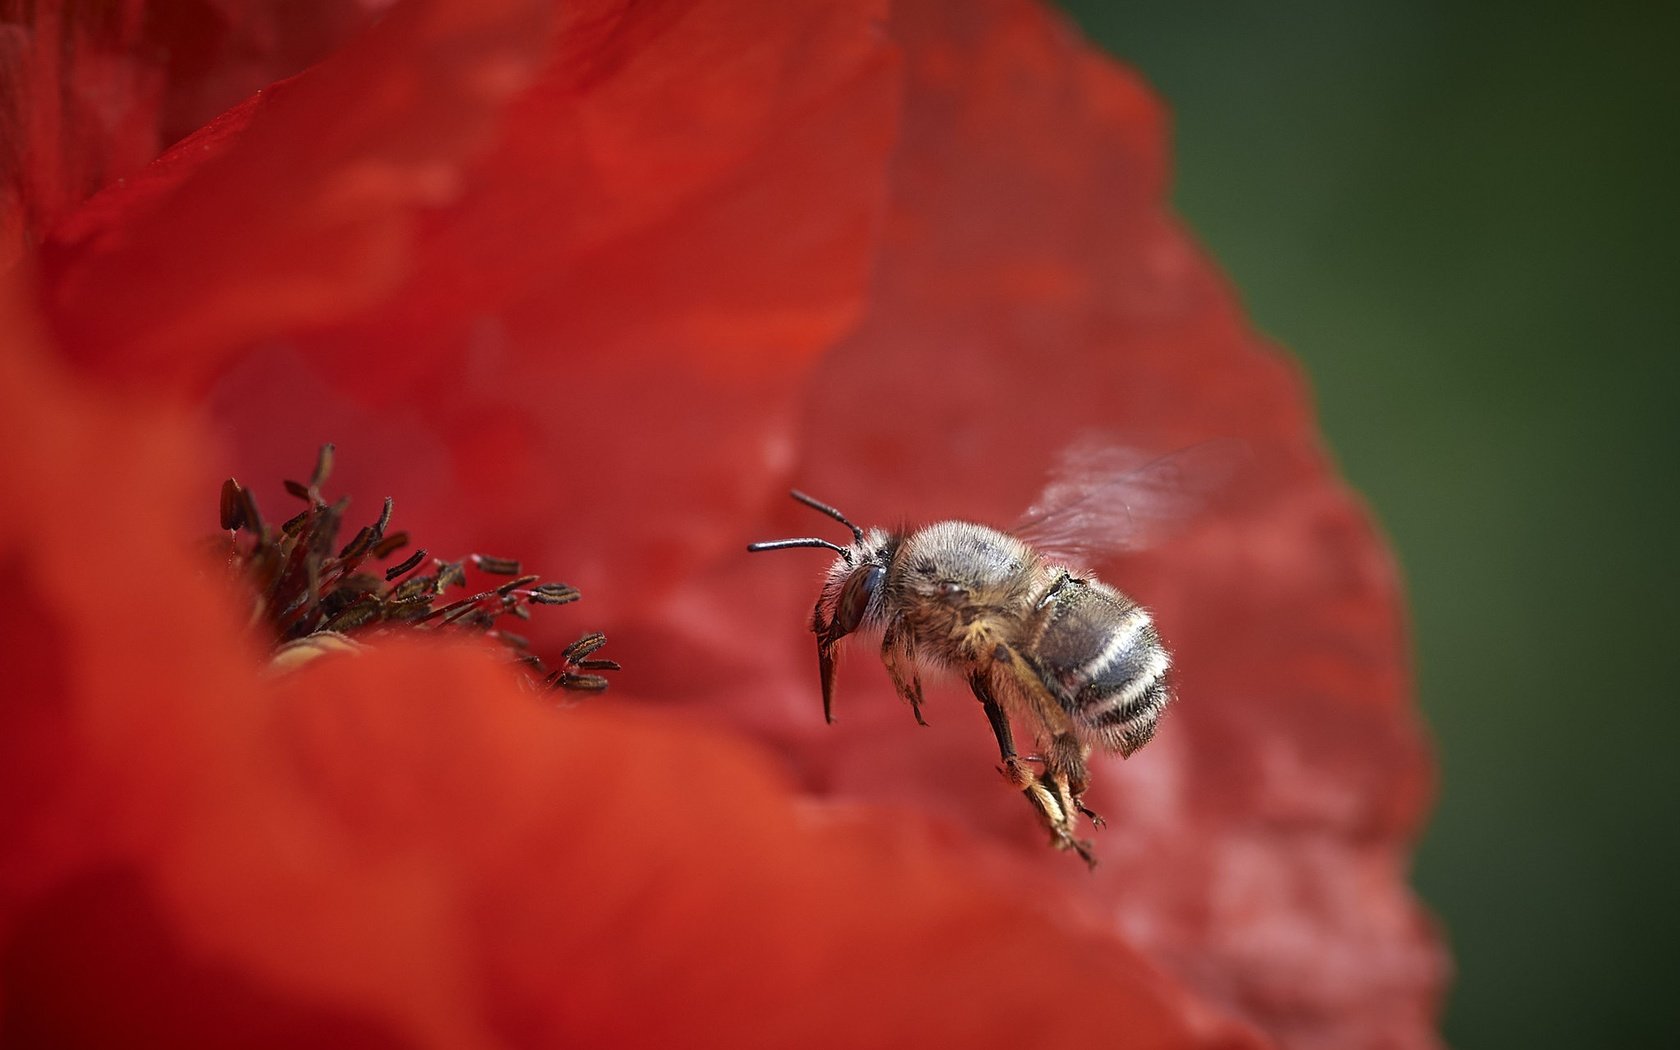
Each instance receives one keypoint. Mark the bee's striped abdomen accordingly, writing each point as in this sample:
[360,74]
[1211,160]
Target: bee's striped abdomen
[1099,657]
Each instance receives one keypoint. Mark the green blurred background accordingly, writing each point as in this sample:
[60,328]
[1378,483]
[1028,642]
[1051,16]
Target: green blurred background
[1453,213]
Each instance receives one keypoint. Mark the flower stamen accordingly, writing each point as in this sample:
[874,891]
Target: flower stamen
[304,592]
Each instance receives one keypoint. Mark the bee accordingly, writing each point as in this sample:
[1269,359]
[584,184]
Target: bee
[1036,640]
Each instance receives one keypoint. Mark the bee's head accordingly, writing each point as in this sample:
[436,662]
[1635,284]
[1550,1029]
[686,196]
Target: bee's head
[853,592]
[852,589]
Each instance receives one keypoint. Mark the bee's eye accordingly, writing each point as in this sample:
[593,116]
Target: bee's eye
[854,598]
[948,589]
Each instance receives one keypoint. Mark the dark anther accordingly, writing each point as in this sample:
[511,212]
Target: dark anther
[232,505]
[554,594]
[293,525]
[496,566]
[408,564]
[323,466]
[389,545]
[358,547]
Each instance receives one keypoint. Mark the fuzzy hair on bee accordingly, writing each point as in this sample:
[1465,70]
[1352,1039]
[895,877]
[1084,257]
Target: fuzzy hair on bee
[1038,642]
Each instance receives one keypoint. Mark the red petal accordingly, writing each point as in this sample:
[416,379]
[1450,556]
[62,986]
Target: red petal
[286,223]
[609,313]
[588,356]
[88,93]
[406,846]
[1034,289]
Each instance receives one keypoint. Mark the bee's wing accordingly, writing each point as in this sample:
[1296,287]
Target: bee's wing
[1105,498]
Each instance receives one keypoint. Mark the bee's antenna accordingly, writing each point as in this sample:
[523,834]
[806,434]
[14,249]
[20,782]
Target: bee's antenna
[776,545]
[815,504]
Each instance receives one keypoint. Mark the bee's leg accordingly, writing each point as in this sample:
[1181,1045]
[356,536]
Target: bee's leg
[1065,767]
[1057,817]
[1014,769]
[897,655]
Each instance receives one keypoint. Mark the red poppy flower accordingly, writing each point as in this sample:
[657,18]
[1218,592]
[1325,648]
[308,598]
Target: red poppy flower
[592,285]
